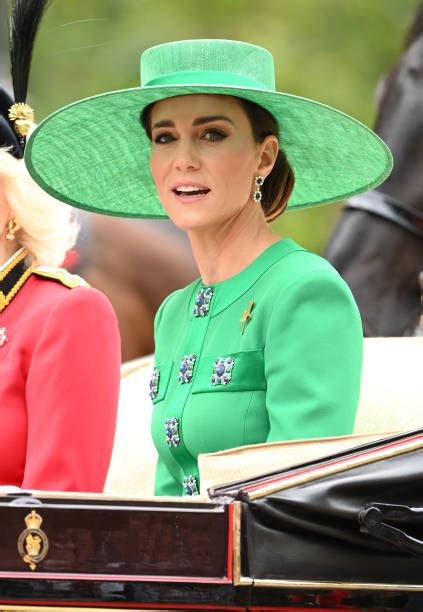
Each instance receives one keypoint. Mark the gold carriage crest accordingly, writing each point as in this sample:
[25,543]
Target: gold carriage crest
[33,542]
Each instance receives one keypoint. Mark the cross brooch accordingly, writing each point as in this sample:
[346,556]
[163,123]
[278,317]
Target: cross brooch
[246,315]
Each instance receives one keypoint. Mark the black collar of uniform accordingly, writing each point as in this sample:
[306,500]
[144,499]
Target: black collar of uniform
[13,277]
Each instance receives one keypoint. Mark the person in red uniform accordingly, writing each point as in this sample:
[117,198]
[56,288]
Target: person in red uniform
[59,339]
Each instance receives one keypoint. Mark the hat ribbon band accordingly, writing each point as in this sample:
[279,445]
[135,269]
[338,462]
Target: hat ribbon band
[205,77]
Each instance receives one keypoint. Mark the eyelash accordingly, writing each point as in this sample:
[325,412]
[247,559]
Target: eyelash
[220,135]
[217,136]
[159,137]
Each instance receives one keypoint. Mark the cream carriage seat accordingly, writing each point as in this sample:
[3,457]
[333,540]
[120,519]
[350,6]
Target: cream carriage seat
[133,464]
[391,397]
[391,400]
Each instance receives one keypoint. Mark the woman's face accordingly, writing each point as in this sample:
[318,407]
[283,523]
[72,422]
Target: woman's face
[204,159]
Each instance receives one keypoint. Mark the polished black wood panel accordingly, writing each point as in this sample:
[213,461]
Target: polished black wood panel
[172,540]
[144,595]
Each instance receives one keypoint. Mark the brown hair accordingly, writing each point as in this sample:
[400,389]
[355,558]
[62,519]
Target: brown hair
[279,183]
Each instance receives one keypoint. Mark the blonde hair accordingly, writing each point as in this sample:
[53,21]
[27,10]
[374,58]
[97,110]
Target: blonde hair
[48,227]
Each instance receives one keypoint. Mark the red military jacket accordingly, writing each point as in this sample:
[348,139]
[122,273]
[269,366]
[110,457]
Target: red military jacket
[59,380]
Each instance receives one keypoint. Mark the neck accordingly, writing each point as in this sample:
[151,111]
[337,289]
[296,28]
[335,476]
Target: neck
[221,252]
[7,249]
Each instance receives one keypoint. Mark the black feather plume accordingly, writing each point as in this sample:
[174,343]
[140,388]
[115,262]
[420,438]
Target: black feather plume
[25,19]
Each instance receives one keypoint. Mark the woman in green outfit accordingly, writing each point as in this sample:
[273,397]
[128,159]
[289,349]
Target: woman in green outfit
[267,345]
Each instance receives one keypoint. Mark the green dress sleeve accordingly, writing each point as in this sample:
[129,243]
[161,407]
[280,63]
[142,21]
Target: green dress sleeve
[313,358]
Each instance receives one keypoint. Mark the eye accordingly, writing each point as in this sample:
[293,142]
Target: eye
[163,138]
[213,135]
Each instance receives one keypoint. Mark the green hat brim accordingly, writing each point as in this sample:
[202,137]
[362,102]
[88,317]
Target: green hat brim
[95,155]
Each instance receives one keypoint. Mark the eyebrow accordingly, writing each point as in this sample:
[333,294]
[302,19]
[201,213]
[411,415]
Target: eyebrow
[198,121]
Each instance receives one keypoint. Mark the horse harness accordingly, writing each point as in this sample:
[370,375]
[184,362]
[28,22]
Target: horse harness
[387,207]
[383,205]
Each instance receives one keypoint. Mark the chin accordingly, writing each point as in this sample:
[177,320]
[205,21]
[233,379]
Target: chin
[191,219]
[187,223]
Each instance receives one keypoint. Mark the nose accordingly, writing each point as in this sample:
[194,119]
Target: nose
[186,157]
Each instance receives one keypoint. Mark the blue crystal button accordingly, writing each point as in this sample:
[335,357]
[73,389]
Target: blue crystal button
[202,302]
[222,371]
[190,485]
[171,425]
[154,383]
[186,369]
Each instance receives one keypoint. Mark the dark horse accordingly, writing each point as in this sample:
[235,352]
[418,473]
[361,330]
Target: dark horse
[377,245]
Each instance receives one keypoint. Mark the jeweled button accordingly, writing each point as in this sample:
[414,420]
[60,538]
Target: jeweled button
[154,383]
[202,302]
[171,425]
[222,371]
[190,485]
[186,369]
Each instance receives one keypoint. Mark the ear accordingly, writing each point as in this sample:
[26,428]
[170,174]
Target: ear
[268,153]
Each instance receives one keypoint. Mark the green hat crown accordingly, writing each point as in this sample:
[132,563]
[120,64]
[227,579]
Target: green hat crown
[208,62]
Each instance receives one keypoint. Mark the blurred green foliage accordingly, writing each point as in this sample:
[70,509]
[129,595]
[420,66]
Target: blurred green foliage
[330,50]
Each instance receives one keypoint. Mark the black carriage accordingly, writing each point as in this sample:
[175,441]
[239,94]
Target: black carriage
[339,533]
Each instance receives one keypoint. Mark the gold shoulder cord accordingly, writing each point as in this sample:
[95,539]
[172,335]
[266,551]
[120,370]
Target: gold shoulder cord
[62,275]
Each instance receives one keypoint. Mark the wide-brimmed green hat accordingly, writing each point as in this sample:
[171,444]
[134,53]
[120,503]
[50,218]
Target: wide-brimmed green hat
[94,153]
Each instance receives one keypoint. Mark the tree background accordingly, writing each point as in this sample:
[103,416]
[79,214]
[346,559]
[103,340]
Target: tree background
[334,51]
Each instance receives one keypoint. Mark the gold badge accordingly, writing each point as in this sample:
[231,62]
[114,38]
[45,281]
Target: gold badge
[3,336]
[246,315]
[33,542]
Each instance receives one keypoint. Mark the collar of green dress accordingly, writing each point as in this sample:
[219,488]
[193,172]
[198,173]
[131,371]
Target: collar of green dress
[229,290]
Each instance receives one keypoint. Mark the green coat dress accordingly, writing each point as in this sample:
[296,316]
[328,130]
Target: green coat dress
[291,369]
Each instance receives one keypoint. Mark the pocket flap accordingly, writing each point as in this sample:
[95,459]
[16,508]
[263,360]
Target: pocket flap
[244,373]
[165,370]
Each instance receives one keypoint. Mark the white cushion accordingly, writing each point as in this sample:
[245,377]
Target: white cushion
[133,464]
[391,396]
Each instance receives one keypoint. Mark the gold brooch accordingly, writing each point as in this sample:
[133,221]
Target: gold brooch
[22,116]
[246,315]
[33,542]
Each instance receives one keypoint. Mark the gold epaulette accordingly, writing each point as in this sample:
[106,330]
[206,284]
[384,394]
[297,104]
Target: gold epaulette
[61,275]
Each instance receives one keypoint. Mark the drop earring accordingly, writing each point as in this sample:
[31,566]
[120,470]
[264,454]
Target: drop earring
[12,228]
[258,195]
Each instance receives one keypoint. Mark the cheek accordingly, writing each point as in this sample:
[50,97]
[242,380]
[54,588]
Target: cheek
[236,171]
[159,172]
[156,170]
